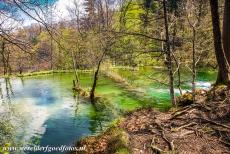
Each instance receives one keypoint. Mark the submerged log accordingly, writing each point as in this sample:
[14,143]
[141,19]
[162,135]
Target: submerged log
[81,92]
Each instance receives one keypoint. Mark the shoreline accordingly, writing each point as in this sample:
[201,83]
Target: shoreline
[191,128]
[37,73]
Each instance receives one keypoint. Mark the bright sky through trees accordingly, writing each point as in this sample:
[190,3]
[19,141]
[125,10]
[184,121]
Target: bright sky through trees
[60,9]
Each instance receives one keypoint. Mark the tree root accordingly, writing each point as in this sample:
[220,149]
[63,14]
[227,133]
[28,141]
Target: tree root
[183,126]
[155,148]
[183,111]
[224,142]
[215,123]
[186,133]
[170,143]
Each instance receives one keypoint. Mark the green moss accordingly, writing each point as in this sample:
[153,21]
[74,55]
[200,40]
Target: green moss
[119,142]
[116,122]
[185,99]
[123,151]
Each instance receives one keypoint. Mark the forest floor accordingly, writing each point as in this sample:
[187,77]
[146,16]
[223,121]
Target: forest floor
[201,127]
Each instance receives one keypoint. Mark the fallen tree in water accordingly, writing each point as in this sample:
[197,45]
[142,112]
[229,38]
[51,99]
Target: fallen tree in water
[81,92]
[201,127]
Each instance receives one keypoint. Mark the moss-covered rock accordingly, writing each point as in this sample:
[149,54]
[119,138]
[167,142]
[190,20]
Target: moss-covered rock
[187,98]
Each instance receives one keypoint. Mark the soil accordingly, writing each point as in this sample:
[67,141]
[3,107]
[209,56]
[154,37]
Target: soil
[201,127]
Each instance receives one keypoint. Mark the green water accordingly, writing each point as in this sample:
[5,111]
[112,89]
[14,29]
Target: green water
[149,80]
[44,110]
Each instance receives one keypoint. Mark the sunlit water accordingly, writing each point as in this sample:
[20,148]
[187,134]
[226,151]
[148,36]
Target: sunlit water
[45,111]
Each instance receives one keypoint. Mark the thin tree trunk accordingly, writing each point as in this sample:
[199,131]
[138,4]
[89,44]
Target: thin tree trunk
[51,52]
[3,57]
[169,56]
[223,74]
[193,65]
[174,57]
[76,81]
[9,70]
[92,96]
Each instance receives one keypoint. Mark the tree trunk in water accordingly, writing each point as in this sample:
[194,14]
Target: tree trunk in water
[3,57]
[226,30]
[223,74]
[76,81]
[9,70]
[169,55]
[95,82]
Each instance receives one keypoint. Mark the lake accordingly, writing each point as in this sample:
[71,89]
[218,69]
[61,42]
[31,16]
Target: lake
[42,110]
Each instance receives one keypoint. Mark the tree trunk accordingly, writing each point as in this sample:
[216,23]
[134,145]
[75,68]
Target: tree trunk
[194,65]
[175,59]
[3,57]
[169,56]
[95,82]
[51,52]
[9,70]
[223,74]
[226,30]
[76,81]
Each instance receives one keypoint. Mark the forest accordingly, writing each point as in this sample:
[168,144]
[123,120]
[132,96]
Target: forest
[114,76]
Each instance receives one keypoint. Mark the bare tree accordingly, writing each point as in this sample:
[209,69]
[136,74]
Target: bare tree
[169,55]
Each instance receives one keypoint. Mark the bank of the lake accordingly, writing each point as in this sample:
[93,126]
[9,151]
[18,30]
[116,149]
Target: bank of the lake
[201,127]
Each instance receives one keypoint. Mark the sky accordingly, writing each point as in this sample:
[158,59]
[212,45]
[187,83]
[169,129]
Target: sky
[60,10]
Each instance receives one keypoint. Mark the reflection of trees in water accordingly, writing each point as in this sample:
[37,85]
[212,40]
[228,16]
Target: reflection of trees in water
[22,81]
[9,90]
[7,132]
[9,94]
[96,116]
[76,99]
[95,120]
[1,94]
[7,129]
[102,115]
